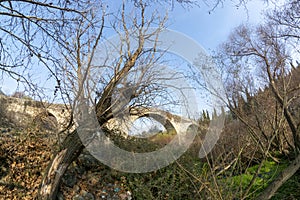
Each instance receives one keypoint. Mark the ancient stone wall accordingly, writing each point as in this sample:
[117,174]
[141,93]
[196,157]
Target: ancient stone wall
[24,111]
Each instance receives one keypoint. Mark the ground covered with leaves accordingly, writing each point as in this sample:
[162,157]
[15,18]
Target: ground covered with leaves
[24,157]
[25,154]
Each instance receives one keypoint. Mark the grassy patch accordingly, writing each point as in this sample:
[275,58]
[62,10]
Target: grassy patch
[239,184]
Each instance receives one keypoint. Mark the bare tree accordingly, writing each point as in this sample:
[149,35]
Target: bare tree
[268,52]
[40,34]
[37,35]
[30,31]
[131,59]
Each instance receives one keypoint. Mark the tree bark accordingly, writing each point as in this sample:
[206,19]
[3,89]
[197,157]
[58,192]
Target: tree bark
[287,173]
[71,149]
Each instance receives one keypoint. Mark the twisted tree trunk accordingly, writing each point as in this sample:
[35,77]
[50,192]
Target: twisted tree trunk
[71,149]
[72,145]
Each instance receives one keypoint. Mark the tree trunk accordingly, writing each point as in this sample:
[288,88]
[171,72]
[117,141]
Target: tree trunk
[71,149]
[287,173]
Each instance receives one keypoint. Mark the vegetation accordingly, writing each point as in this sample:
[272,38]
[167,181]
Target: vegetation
[26,152]
[256,157]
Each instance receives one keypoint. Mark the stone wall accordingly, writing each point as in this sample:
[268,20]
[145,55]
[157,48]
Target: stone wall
[21,112]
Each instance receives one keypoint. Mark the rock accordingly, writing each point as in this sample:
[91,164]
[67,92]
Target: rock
[87,196]
[125,196]
[88,161]
[69,179]
[76,188]
[77,197]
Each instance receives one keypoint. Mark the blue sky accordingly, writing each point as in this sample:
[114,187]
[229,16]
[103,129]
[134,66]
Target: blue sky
[209,30]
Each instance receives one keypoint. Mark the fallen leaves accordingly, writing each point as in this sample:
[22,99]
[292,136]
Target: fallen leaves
[25,156]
